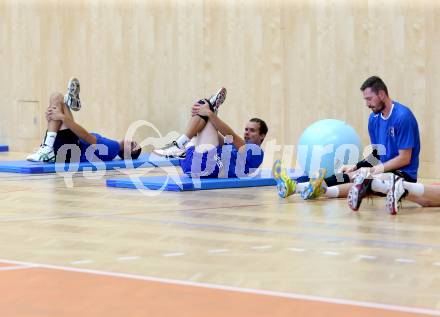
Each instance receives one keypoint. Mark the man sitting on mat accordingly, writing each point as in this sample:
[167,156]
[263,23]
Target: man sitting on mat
[394,134]
[63,130]
[211,149]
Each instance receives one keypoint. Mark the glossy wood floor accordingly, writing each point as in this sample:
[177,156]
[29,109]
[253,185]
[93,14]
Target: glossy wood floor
[72,247]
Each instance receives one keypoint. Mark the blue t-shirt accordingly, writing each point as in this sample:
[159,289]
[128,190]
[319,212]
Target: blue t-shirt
[222,161]
[399,131]
[104,149]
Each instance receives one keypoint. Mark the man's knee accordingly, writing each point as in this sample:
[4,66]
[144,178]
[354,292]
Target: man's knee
[56,99]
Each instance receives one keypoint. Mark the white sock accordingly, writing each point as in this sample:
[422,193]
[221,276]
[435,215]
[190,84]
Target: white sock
[332,192]
[50,138]
[415,189]
[182,141]
[190,143]
[300,187]
[380,186]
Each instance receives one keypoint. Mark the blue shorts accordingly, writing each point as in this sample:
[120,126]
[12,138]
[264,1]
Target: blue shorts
[202,165]
[103,145]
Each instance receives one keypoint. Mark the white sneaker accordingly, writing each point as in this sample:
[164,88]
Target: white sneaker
[171,150]
[43,154]
[360,189]
[71,98]
[217,99]
[395,194]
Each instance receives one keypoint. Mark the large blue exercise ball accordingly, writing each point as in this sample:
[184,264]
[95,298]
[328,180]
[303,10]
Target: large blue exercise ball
[328,144]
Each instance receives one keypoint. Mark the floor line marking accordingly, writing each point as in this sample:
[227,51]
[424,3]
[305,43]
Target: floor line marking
[128,258]
[417,310]
[296,249]
[214,251]
[81,262]
[17,267]
[173,254]
[261,247]
[400,260]
[331,253]
[367,257]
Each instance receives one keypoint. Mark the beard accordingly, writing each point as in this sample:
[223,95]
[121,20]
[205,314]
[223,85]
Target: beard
[378,108]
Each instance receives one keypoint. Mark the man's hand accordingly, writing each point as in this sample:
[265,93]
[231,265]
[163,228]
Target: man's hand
[347,169]
[201,109]
[377,169]
[53,113]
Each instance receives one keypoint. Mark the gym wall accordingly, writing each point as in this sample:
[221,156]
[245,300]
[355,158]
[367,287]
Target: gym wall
[288,62]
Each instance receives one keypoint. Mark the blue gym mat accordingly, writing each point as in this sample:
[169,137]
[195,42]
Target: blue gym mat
[4,148]
[186,183]
[26,167]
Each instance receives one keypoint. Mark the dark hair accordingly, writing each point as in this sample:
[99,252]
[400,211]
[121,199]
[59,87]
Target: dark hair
[263,126]
[133,155]
[376,84]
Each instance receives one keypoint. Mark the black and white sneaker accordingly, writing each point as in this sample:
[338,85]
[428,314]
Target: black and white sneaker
[43,154]
[217,99]
[171,150]
[71,98]
[361,188]
[395,195]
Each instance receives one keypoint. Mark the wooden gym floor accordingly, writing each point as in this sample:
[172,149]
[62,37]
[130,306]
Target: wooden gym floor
[89,250]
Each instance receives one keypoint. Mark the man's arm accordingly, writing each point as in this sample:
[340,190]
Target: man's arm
[221,138]
[219,124]
[401,160]
[226,130]
[56,114]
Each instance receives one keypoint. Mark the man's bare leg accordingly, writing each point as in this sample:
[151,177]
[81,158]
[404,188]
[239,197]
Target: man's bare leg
[196,125]
[424,195]
[45,153]
[199,129]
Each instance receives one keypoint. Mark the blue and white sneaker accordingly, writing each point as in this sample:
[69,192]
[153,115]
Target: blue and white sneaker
[71,98]
[314,187]
[285,185]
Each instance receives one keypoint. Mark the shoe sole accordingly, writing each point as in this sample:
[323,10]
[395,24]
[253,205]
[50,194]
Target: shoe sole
[159,154]
[73,90]
[74,83]
[307,194]
[276,170]
[37,161]
[219,98]
[281,186]
[180,157]
[391,207]
[354,192]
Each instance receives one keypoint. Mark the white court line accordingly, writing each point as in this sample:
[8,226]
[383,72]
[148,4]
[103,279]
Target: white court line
[214,251]
[415,310]
[331,253]
[436,263]
[404,260]
[81,262]
[128,258]
[367,257]
[296,249]
[174,254]
[261,247]
[17,267]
